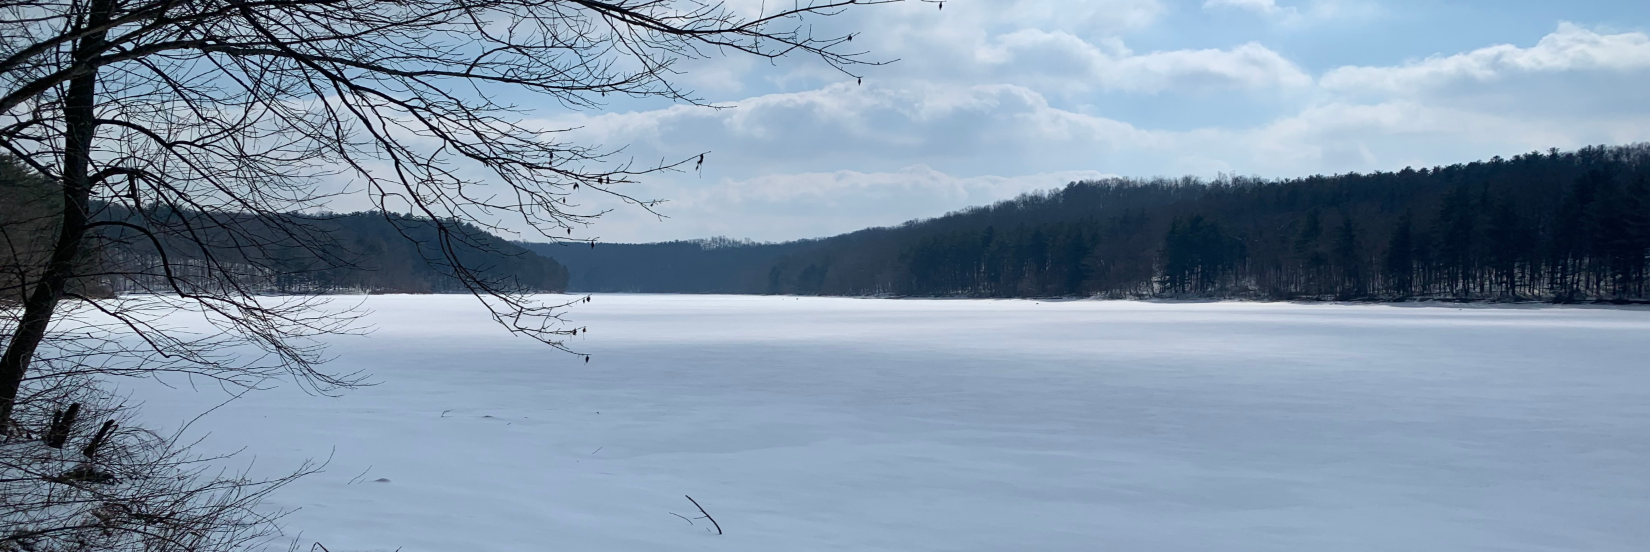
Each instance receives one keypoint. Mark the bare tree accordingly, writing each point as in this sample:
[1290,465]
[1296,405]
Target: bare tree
[160,158]
[184,135]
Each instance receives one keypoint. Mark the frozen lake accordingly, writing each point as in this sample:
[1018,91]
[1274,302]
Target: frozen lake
[903,425]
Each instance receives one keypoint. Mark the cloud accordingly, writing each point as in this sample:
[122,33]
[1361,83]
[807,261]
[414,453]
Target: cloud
[840,187]
[1569,49]
[1074,47]
[1089,15]
[1295,16]
[1265,7]
[969,130]
[1085,66]
[1008,129]
[1071,59]
[788,206]
[930,43]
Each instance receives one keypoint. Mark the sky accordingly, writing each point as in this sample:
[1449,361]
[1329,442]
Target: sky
[989,99]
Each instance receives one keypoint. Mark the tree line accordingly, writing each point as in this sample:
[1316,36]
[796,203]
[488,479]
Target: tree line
[714,265]
[369,252]
[1544,226]
[301,254]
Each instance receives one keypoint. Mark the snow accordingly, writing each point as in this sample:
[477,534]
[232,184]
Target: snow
[907,425]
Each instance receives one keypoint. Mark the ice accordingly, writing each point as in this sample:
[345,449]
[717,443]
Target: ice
[910,425]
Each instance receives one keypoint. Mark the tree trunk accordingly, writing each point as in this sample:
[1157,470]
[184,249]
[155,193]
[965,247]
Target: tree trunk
[80,126]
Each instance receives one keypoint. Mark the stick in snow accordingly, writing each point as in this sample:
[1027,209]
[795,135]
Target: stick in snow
[97,440]
[707,514]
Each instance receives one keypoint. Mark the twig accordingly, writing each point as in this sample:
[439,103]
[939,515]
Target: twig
[707,514]
[358,477]
[684,518]
[191,422]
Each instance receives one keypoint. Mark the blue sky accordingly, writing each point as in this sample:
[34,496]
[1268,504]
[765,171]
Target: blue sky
[993,98]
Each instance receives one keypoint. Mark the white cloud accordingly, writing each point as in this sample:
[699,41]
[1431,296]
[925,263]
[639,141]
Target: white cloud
[1314,11]
[842,187]
[930,43]
[1246,66]
[1267,7]
[1081,65]
[1085,15]
[788,206]
[1570,48]
[970,130]
[1014,129]
[1339,137]
[1073,47]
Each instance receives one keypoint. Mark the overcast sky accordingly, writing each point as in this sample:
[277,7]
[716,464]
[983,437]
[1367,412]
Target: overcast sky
[993,98]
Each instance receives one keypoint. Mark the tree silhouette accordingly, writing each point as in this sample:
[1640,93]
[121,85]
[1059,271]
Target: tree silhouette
[187,149]
[190,132]
[1555,226]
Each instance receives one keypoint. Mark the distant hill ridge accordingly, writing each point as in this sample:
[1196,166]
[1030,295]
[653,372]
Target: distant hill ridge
[362,252]
[715,265]
[1548,226]
[397,253]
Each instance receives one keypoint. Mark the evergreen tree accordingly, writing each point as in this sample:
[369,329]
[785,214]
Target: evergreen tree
[1400,258]
[1348,260]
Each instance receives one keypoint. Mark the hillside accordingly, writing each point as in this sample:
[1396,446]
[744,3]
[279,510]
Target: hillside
[1550,226]
[392,253]
[364,252]
[700,266]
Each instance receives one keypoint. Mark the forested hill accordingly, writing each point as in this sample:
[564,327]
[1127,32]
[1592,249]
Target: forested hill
[1552,226]
[393,253]
[716,265]
[369,252]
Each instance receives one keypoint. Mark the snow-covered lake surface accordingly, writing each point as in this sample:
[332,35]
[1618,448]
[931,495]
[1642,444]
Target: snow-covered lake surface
[903,425]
